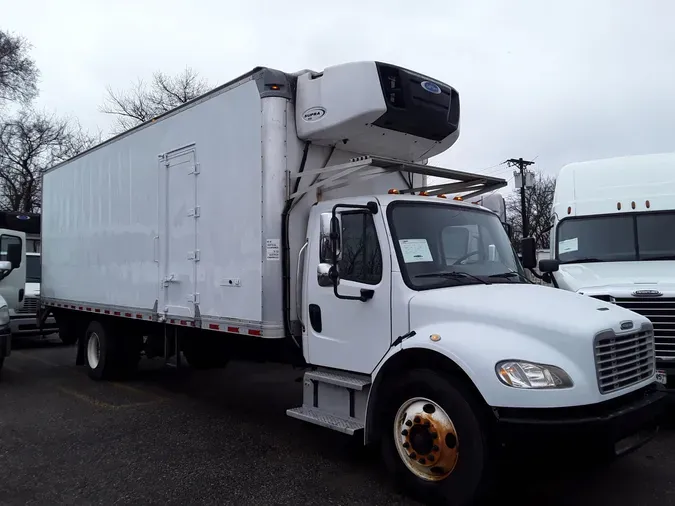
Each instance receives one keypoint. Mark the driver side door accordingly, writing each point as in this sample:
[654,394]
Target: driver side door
[349,334]
[13,285]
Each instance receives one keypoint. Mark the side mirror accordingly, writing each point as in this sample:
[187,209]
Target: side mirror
[326,239]
[549,266]
[528,250]
[14,255]
[5,266]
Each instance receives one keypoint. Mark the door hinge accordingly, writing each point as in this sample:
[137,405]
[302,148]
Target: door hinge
[194,298]
[193,255]
[194,211]
[195,169]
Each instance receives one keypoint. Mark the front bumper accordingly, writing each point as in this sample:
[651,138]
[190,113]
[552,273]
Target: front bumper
[617,426]
[5,341]
[669,368]
[27,325]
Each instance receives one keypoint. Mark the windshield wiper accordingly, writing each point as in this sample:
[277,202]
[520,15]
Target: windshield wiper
[451,275]
[510,274]
[588,260]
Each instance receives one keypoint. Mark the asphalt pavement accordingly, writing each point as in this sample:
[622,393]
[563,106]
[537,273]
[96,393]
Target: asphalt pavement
[222,437]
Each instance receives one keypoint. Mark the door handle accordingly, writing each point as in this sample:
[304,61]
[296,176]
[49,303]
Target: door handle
[298,285]
[315,317]
[171,278]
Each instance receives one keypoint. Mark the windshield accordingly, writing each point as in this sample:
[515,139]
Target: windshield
[33,269]
[616,238]
[448,245]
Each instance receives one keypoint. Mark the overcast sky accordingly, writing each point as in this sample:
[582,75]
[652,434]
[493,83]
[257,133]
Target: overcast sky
[578,80]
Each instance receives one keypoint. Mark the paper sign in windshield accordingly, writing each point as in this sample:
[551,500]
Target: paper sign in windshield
[415,250]
[568,245]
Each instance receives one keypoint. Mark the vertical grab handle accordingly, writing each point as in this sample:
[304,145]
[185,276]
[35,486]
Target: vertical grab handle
[298,285]
[155,248]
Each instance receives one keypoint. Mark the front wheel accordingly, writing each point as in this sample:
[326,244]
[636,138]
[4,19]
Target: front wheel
[433,441]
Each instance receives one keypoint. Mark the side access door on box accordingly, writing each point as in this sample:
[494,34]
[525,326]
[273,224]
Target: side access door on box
[176,244]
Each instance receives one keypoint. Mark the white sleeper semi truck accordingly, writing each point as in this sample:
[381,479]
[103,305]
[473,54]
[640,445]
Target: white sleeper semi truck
[284,217]
[12,284]
[612,239]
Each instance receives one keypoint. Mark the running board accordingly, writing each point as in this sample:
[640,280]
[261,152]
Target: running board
[334,399]
[320,417]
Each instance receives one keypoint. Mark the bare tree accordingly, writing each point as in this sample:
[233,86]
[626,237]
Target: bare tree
[30,143]
[18,73]
[143,102]
[538,203]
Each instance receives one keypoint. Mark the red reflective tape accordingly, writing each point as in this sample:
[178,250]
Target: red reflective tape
[128,315]
[88,309]
[117,313]
[254,332]
[139,316]
[234,330]
[183,322]
[107,311]
[97,310]
[214,326]
[172,321]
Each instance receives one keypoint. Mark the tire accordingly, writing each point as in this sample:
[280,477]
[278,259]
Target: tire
[99,352]
[456,465]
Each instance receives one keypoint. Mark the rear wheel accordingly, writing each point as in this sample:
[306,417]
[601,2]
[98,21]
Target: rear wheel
[433,441]
[99,352]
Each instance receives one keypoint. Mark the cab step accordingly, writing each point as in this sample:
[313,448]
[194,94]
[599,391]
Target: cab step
[320,417]
[334,399]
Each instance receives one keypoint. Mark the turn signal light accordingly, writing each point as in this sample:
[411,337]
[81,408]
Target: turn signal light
[393,191]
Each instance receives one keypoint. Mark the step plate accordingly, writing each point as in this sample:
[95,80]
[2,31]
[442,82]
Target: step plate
[338,379]
[318,417]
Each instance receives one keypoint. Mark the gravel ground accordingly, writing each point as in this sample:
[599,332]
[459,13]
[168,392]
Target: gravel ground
[222,437]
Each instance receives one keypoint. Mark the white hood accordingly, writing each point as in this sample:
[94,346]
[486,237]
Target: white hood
[534,310]
[618,278]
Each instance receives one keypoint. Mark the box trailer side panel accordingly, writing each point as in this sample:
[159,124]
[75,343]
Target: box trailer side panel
[164,217]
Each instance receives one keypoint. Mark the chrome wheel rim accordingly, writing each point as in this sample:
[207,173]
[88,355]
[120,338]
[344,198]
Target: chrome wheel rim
[93,350]
[426,439]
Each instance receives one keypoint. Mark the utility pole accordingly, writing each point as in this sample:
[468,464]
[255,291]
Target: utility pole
[522,164]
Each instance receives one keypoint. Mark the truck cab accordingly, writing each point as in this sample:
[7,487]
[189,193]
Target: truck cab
[611,240]
[23,320]
[12,283]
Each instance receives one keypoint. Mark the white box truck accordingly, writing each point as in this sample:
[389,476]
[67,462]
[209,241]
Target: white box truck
[283,217]
[612,239]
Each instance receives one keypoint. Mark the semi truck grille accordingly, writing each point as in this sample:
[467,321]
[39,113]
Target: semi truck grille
[661,312]
[30,305]
[622,361]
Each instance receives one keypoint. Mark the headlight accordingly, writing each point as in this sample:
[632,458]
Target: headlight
[528,375]
[4,315]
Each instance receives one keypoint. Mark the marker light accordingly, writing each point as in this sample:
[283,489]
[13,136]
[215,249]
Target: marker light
[458,197]
[393,191]
[569,210]
[647,204]
[441,196]
[618,206]
[632,204]
[424,194]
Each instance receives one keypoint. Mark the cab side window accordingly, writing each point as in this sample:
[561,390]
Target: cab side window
[361,259]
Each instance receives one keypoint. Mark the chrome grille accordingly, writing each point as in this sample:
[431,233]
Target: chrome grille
[30,305]
[622,361]
[661,312]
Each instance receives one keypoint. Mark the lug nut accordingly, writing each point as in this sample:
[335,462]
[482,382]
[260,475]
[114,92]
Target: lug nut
[435,448]
[413,455]
[406,445]
[417,419]
[430,457]
[408,423]
[422,461]
[405,432]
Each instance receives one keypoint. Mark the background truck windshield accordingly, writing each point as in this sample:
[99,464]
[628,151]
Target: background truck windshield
[450,245]
[617,238]
[33,269]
